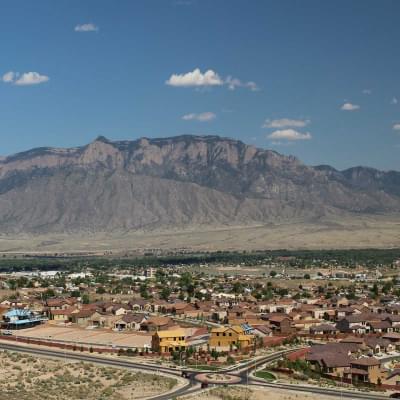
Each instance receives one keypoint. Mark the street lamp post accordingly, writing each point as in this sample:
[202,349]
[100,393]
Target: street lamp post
[180,358]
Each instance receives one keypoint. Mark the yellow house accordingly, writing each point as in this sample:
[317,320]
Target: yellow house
[169,341]
[228,336]
[60,315]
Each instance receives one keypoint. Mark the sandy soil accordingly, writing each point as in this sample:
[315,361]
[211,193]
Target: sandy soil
[241,393]
[90,337]
[363,232]
[25,377]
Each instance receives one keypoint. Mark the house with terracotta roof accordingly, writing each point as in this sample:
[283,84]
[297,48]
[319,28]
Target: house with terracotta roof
[392,378]
[364,370]
[281,324]
[154,324]
[129,321]
[323,329]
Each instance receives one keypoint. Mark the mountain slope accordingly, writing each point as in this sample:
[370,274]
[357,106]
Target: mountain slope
[184,181]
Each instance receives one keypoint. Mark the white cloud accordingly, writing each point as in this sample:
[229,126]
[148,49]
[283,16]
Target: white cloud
[196,78]
[289,134]
[31,78]
[396,127]
[86,28]
[394,100]
[25,79]
[285,123]
[8,77]
[234,83]
[350,107]
[202,117]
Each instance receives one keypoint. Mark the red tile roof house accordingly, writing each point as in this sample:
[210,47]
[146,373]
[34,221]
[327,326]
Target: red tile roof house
[154,324]
[364,370]
[197,312]
[347,311]
[332,358]
[262,330]
[138,304]
[332,364]
[393,309]
[393,337]
[380,326]
[324,329]
[379,345]
[281,324]
[179,308]
[82,317]
[393,378]
[359,323]
[341,360]
[61,315]
[130,322]
[395,322]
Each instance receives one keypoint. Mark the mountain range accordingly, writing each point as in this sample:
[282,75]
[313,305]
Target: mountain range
[180,182]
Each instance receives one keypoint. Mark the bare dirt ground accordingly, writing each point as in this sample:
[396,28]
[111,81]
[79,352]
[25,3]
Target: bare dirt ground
[90,337]
[242,393]
[25,377]
[363,232]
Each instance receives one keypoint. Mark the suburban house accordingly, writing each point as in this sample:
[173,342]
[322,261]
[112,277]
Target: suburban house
[168,341]
[364,369]
[156,324]
[129,322]
[230,336]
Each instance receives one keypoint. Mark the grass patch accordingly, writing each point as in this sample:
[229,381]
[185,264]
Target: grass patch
[265,375]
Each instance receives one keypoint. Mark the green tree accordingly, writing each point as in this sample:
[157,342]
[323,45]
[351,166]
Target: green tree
[165,293]
[85,299]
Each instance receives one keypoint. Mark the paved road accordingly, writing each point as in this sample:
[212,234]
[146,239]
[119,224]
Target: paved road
[106,361]
[191,387]
[323,391]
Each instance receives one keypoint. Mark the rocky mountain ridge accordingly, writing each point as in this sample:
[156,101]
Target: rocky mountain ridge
[179,182]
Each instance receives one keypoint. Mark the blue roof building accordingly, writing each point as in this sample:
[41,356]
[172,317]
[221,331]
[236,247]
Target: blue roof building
[19,318]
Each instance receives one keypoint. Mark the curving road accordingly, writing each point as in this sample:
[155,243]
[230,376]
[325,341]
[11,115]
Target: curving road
[187,389]
[191,386]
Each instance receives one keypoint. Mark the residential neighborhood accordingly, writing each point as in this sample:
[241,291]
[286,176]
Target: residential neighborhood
[347,331]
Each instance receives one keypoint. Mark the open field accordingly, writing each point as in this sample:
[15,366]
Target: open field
[25,377]
[91,337]
[241,393]
[365,232]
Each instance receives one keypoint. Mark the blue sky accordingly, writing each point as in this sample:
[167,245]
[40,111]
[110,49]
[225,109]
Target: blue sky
[316,79]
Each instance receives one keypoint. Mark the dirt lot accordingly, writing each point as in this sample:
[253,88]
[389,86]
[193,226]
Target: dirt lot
[86,336]
[25,377]
[343,233]
[241,393]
